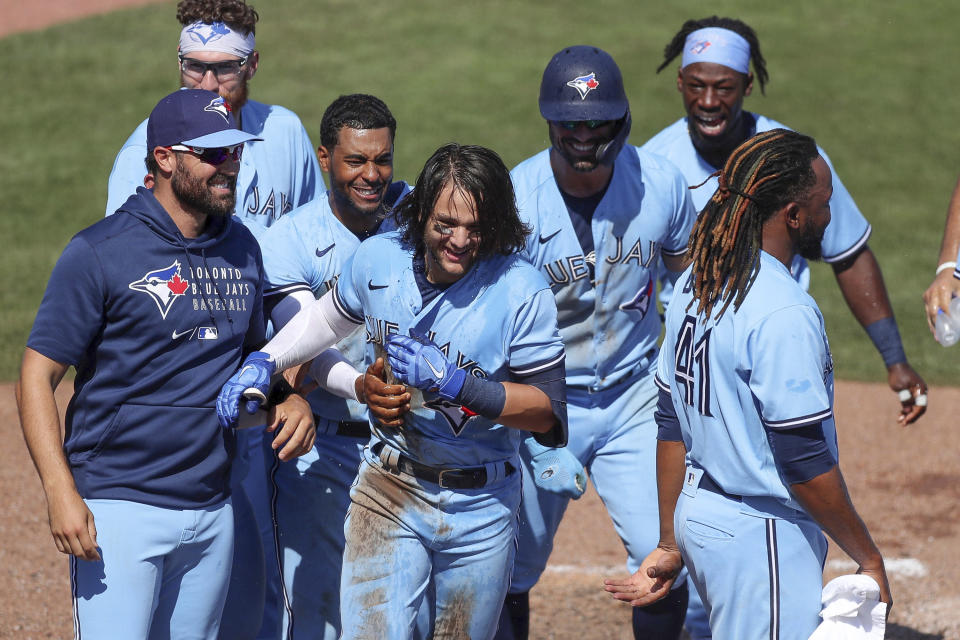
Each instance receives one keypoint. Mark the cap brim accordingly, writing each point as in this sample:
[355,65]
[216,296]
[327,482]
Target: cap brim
[226,138]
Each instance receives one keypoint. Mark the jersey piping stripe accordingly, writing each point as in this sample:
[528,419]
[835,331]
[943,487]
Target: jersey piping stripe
[773,567]
[287,289]
[274,492]
[800,420]
[539,367]
[343,309]
[661,384]
[73,596]
[673,252]
[852,250]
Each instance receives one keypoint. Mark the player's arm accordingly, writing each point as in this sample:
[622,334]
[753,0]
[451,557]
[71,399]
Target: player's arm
[862,285]
[826,499]
[71,522]
[659,570]
[314,329]
[945,286]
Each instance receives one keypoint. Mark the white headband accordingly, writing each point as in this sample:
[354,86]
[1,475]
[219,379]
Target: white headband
[203,36]
[714,44]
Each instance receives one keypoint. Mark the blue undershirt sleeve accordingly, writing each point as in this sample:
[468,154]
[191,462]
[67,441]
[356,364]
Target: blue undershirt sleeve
[801,453]
[668,425]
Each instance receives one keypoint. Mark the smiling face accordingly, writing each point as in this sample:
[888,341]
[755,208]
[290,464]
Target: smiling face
[713,98]
[206,188]
[360,167]
[451,236]
[579,145]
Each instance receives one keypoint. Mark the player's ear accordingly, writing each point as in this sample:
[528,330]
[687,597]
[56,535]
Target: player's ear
[165,159]
[323,157]
[680,79]
[749,86]
[253,63]
[791,215]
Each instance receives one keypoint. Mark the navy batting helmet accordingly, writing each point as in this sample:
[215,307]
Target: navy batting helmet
[584,83]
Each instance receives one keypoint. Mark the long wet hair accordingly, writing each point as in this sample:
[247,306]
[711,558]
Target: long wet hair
[762,175]
[479,173]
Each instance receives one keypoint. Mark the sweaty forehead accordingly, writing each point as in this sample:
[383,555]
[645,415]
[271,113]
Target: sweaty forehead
[454,205]
[365,142]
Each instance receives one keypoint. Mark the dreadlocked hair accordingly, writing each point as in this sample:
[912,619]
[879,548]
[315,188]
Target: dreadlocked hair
[761,176]
[675,47]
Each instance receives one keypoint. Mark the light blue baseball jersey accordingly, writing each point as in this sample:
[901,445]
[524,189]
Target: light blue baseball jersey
[306,250]
[609,326]
[276,175]
[765,366]
[498,321]
[848,230]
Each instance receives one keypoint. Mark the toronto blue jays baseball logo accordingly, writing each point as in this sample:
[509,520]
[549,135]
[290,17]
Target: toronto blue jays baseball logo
[584,84]
[699,47]
[220,107]
[205,33]
[641,301]
[456,415]
[164,286]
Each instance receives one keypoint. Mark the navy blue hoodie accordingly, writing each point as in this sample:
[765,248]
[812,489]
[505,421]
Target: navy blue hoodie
[155,324]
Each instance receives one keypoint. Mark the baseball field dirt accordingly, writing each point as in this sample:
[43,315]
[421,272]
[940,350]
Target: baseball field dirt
[905,482]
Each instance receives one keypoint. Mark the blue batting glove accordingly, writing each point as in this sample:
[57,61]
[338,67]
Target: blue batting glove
[419,363]
[251,382]
[556,469]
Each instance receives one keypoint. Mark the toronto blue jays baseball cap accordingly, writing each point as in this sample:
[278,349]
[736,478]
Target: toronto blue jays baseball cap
[194,117]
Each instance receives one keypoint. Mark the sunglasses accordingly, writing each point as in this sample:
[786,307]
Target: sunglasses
[215,156]
[226,70]
[571,125]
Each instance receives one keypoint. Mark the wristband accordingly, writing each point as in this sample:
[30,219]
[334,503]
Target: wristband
[944,266]
[280,391]
[886,338]
[486,397]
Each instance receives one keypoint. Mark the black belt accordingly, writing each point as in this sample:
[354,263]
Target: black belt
[706,482]
[469,478]
[348,428]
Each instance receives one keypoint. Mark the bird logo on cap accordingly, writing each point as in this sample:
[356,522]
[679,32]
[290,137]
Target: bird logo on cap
[219,106]
[584,84]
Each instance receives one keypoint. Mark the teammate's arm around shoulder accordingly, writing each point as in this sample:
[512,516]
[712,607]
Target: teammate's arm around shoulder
[826,499]
[71,522]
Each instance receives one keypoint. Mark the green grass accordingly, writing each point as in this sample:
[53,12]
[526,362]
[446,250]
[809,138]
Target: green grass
[872,81]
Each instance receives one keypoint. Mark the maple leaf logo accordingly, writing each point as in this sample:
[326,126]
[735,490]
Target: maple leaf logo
[177,285]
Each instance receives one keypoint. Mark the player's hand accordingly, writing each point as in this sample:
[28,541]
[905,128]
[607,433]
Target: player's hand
[297,431]
[387,402]
[911,390]
[880,575]
[652,581]
[72,526]
[251,382]
[556,469]
[300,379]
[938,295]
[418,361]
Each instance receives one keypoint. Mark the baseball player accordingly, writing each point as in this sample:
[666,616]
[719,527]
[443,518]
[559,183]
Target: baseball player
[747,449]
[602,213]
[467,321]
[217,52]
[153,306]
[303,255]
[714,78]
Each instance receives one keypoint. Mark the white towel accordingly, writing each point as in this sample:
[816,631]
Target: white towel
[851,610]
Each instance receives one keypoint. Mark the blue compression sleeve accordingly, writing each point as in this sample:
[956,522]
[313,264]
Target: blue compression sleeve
[801,454]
